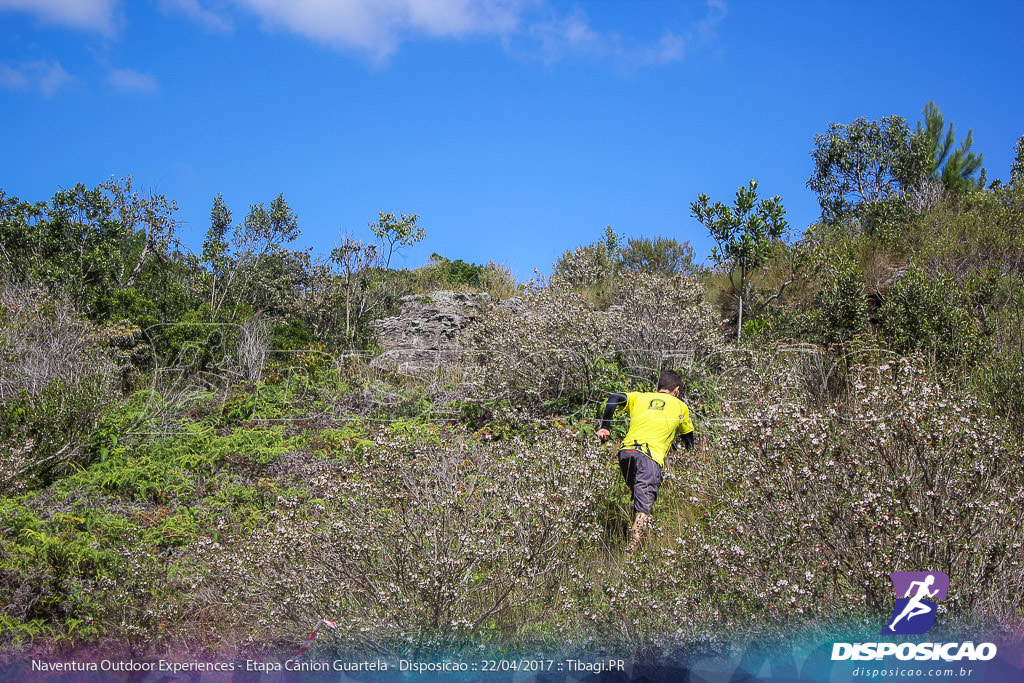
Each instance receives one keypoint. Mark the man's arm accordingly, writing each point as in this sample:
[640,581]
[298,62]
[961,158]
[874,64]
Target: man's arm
[614,401]
[686,427]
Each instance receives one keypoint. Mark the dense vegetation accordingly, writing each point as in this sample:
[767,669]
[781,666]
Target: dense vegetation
[198,450]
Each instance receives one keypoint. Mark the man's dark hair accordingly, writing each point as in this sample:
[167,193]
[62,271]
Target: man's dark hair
[669,379]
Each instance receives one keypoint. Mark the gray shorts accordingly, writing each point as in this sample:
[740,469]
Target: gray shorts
[643,477]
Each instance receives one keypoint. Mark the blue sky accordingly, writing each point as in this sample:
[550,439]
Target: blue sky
[516,129]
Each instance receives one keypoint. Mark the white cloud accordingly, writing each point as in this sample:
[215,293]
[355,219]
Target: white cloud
[197,12]
[571,37]
[130,79]
[707,28]
[45,76]
[671,48]
[463,17]
[567,37]
[10,77]
[90,15]
[378,27]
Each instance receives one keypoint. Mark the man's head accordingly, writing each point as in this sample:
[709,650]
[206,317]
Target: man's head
[669,381]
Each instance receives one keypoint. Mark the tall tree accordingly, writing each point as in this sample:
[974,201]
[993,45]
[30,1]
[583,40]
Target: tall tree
[357,261]
[953,167]
[147,218]
[744,235]
[19,222]
[215,246]
[366,285]
[89,244]
[1017,169]
[395,232]
[864,164]
[247,265]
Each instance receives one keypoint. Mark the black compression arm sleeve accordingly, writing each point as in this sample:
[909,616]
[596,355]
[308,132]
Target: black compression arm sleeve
[614,401]
[688,441]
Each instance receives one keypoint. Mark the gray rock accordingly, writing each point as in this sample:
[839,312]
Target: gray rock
[428,329]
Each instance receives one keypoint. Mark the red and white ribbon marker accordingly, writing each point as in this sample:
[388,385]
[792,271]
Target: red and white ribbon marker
[311,637]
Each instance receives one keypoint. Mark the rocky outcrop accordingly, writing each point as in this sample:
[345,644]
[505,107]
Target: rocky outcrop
[428,329]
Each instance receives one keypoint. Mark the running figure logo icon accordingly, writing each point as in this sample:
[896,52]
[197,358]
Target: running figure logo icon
[915,609]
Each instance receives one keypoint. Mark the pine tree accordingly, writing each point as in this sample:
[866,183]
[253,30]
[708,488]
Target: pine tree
[954,170]
[1017,170]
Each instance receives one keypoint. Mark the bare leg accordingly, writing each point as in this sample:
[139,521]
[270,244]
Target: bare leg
[642,521]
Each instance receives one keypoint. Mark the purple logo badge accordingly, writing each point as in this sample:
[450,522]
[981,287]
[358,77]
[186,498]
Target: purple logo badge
[915,595]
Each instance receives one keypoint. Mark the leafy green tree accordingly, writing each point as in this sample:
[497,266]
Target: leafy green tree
[456,272]
[148,219]
[1017,169]
[247,267]
[356,261]
[89,245]
[660,256]
[954,170]
[215,246]
[271,226]
[365,284]
[18,221]
[270,272]
[744,235]
[278,281]
[395,232]
[865,164]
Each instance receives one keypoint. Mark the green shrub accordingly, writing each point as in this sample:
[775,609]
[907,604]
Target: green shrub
[47,435]
[1001,383]
[933,315]
[842,306]
[293,335]
[130,353]
[52,574]
[663,256]
[443,274]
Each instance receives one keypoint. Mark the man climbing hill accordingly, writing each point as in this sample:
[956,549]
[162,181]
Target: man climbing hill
[654,421]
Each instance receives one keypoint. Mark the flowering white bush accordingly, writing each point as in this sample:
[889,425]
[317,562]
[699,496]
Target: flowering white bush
[792,515]
[554,347]
[416,542]
[804,514]
[657,319]
[557,349]
[56,380]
